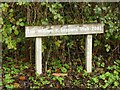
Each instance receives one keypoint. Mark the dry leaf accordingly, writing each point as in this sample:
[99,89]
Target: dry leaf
[59,74]
[22,78]
[16,85]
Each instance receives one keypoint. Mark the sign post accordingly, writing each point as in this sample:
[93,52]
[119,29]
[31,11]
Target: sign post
[57,30]
[88,52]
[38,55]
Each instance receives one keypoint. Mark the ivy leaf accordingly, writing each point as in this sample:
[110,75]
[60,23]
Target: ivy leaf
[17,23]
[20,19]
[104,8]
[96,43]
[16,32]
[107,47]
[116,83]
[55,17]
[43,3]
[67,66]
[11,10]
[22,24]
[79,68]
[97,10]
[1,20]
[44,21]
[95,80]
[57,43]
[63,69]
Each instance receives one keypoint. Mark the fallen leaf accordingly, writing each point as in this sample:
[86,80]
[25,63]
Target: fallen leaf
[59,74]
[16,85]
[22,78]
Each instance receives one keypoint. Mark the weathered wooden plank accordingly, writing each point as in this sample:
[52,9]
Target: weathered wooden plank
[57,30]
[38,55]
[88,53]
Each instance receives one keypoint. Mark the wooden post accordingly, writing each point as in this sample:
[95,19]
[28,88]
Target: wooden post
[38,55]
[89,53]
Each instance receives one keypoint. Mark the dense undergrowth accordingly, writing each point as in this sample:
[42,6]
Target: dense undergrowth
[63,54]
[22,75]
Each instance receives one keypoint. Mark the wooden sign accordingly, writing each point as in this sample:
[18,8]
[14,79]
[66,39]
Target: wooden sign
[58,30]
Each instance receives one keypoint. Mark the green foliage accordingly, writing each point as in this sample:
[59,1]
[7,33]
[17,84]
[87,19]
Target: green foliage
[66,66]
[96,43]
[60,79]
[57,64]
[57,43]
[54,9]
[11,26]
[8,79]
[108,79]
[79,69]
[63,69]
[44,21]
[107,47]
